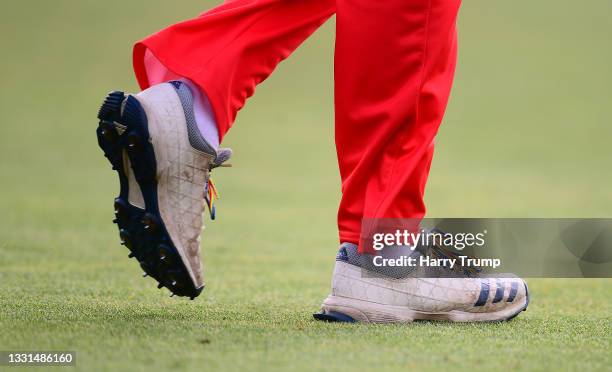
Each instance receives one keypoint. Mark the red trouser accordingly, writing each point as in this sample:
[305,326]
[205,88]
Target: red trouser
[394,67]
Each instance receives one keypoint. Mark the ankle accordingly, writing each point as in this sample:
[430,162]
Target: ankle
[204,114]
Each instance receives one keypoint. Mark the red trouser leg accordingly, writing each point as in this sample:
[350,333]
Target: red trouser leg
[230,49]
[394,70]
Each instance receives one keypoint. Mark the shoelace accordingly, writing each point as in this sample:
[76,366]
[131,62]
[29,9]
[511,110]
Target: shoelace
[210,197]
[440,251]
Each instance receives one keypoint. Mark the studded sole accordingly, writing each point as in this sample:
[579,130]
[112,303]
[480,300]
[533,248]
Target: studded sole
[123,130]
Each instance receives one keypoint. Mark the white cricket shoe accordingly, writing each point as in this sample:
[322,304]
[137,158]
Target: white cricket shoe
[360,295]
[164,165]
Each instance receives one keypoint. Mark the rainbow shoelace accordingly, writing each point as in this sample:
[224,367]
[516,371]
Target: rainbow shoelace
[211,196]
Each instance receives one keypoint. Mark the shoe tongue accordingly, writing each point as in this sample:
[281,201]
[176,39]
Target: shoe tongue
[223,155]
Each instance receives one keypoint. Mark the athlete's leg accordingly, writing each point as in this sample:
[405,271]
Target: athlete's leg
[161,152]
[394,69]
[230,49]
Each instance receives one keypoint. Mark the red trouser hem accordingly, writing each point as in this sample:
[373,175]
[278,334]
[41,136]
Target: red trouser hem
[140,70]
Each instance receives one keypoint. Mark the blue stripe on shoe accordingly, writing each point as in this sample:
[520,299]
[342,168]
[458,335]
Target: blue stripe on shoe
[499,291]
[513,291]
[484,293]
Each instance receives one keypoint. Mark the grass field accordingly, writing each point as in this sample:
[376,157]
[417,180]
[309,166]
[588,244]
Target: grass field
[527,134]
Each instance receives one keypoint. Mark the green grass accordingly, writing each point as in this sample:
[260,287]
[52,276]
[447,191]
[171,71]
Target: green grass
[526,134]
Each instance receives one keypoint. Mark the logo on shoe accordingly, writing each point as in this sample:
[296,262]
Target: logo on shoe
[342,255]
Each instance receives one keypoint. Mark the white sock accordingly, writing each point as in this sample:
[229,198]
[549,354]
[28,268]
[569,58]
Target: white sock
[204,116]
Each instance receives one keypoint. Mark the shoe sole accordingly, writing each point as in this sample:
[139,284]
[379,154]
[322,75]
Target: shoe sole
[123,129]
[349,310]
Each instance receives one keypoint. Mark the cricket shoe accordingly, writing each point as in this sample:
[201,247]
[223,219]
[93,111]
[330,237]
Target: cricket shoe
[359,294]
[151,139]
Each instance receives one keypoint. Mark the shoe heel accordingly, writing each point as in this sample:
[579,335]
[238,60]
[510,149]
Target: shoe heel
[108,137]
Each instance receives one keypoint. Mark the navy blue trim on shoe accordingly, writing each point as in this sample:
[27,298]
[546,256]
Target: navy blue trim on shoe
[524,307]
[484,293]
[513,291]
[333,316]
[499,291]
